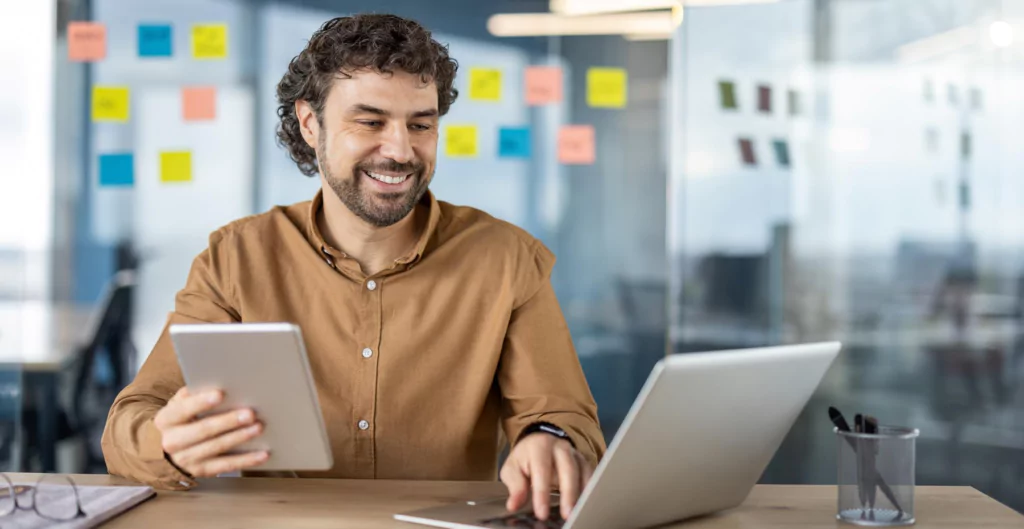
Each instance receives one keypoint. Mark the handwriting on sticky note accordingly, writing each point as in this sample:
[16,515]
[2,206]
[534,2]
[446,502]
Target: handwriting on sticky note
[576,144]
[606,87]
[460,141]
[155,40]
[543,85]
[485,84]
[210,41]
[116,169]
[110,103]
[199,103]
[87,41]
[514,142]
[176,166]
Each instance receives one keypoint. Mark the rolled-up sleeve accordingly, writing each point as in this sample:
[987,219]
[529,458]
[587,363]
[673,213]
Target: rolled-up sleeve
[539,373]
[132,445]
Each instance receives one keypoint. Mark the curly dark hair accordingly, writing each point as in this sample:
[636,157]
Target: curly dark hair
[343,45]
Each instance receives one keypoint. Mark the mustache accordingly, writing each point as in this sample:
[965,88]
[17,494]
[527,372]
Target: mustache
[390,166]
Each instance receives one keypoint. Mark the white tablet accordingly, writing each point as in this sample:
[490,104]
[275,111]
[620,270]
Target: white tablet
[262,366]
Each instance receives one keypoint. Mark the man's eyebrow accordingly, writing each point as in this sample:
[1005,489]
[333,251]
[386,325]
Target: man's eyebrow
[368,109]
[429,113]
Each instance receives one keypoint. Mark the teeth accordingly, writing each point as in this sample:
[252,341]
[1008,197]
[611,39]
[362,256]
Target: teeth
[387,179]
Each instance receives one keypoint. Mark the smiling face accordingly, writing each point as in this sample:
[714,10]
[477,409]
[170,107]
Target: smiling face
[376,142]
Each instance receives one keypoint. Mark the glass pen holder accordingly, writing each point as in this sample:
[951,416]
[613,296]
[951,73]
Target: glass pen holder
[877,476]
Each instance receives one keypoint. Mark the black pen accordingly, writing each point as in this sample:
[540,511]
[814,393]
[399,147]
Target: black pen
[840,422]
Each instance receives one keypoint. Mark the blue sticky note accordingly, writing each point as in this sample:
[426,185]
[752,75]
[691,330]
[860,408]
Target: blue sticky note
[154,40]
[514,142]
[117,170]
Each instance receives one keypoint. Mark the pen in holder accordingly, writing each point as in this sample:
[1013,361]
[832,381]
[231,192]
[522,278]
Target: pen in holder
[877,476]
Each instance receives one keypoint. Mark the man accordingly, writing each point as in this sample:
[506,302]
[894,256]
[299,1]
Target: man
[427,325]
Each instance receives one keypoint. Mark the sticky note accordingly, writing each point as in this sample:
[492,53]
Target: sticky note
[117,169]
[764,99]
[199,103]
[514,142]
[781,152]
[747,154]
[793,98]
[155,40]
[110,103]
[460,141]
[576,144]
[727,95]
[87,41]
[176,166]
[543,85]
[209,41]
[606,87]
[485,84]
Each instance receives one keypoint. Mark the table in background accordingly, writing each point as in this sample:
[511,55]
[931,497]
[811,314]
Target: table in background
[38,338]
[367,504]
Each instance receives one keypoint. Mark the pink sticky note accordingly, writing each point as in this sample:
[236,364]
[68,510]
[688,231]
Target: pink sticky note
[87,41]
[576,144]
[199,103]
[543,85]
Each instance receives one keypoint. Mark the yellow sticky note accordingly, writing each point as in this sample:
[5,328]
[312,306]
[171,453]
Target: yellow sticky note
[110,103]
[176,166]
[210,41]
[460,141]
[606,87]
[485,84]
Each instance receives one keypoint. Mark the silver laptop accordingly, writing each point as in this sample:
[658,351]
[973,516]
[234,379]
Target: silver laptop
[696,440]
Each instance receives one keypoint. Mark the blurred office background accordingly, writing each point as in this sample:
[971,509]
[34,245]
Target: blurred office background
[779,172]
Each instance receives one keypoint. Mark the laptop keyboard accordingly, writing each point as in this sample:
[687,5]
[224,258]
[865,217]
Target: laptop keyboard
[527,519]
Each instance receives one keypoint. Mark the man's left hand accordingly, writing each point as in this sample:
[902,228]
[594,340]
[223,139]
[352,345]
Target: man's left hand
[540,462]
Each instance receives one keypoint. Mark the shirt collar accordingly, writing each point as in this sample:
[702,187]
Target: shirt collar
[422,245]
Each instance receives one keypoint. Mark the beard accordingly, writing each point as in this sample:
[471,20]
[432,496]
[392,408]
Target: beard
[378,209]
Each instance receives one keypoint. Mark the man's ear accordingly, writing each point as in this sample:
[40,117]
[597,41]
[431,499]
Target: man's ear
[308,123]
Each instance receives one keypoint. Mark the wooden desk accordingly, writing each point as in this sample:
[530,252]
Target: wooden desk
[307,503]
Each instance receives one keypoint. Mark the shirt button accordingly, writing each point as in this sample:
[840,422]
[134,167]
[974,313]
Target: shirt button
[367,353]
[363,425]
[371,284]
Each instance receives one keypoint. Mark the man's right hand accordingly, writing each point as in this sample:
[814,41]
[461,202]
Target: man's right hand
[199,446]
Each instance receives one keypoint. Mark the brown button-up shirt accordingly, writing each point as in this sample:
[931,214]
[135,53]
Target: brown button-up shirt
[465,335]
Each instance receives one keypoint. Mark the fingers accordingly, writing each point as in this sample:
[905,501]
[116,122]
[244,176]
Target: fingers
[215,447]
[586,471]
[179,438]
[184,406]
[225,464]
[540,480]
[568,478]
[518,486]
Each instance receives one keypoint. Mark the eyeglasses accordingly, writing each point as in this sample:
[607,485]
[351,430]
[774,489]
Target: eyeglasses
[53,497]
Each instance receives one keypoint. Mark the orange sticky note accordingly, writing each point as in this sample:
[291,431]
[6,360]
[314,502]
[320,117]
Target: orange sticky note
[87,41]
[199,103]
[543,85]
[576,145]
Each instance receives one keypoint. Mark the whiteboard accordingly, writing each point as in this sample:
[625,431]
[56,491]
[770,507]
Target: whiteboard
[173,221]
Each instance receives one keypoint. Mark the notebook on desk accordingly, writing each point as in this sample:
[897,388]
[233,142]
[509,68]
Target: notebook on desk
[100,504]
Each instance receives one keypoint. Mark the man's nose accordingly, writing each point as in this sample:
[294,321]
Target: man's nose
[395,144]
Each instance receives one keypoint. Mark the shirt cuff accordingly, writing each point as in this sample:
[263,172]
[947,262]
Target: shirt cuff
[167,474]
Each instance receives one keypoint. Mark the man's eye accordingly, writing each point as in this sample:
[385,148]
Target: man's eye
[371,123]
[420,127]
